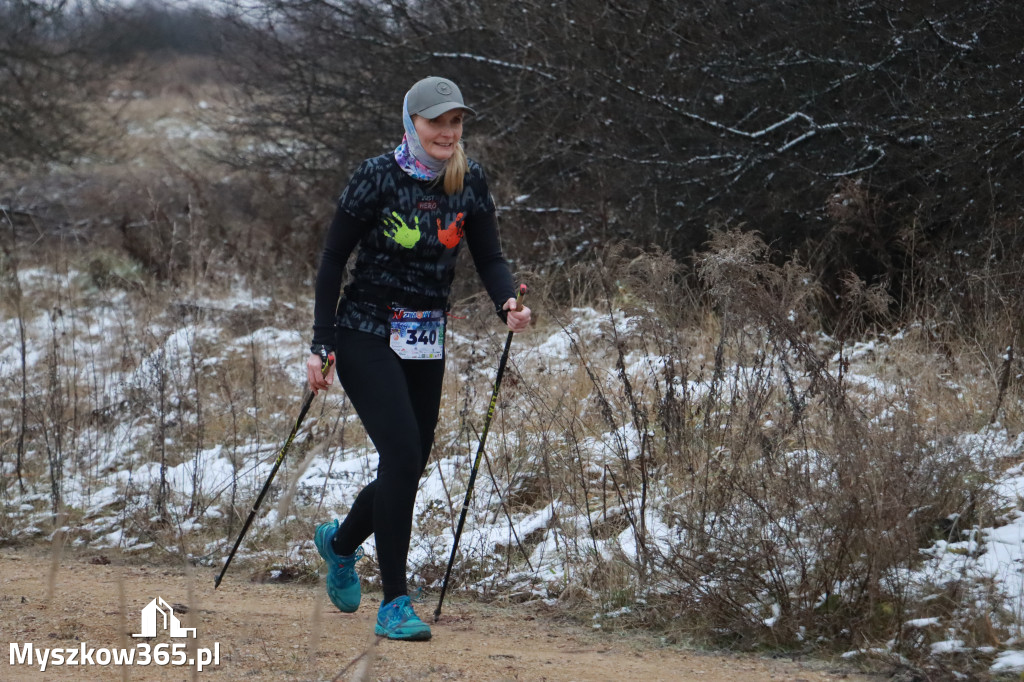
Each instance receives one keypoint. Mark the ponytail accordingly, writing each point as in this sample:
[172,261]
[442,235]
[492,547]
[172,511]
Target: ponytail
[455,170]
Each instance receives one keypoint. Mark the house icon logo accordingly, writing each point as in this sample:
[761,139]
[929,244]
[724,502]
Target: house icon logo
[158,611]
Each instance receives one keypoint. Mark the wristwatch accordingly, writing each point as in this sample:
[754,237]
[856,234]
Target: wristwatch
[323,350]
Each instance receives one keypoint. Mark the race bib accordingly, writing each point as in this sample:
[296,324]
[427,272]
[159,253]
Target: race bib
[417,334]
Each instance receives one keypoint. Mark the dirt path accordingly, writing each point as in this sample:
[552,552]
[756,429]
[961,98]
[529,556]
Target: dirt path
[290,632]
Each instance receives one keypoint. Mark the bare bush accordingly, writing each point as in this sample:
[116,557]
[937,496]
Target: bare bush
[749,437]
[863,137]
[46,81]
[758,489]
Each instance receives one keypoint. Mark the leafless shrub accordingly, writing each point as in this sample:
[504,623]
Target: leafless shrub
[791,501]
[706,454]
[46,83]
[832,130]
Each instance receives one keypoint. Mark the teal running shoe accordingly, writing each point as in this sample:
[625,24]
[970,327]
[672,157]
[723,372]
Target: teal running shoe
[342,580]
[397,620]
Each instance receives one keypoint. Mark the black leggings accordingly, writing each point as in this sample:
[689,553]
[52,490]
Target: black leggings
[397,401]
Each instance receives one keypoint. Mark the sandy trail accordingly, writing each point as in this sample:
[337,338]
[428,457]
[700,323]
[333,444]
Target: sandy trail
[291,632]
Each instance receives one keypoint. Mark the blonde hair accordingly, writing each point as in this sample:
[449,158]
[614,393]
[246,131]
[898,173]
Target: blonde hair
[455,170]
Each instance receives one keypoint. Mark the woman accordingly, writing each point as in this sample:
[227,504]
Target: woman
[408,211]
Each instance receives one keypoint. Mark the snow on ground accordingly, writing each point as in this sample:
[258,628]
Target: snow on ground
[115,477]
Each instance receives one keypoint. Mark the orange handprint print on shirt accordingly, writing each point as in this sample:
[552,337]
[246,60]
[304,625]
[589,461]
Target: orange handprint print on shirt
[451,236]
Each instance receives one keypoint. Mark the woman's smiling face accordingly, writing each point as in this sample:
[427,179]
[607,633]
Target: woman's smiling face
[439,136]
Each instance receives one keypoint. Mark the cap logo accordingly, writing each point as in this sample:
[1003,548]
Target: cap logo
[444,88]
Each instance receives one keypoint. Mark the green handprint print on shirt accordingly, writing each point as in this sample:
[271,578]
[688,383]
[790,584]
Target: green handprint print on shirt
[398,230]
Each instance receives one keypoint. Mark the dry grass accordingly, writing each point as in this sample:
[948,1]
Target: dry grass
[714,460]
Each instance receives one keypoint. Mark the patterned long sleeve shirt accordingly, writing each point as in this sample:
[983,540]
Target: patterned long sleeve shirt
[409,233]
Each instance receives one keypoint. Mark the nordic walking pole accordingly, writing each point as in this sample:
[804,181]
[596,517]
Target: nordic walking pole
[479,454]
[327,358]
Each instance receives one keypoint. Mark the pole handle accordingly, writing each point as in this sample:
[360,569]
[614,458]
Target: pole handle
[519,298]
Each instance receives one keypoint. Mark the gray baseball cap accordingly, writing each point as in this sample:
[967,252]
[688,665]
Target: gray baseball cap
[433,96]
